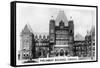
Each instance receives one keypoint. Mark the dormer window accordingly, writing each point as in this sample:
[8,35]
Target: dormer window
[61,24]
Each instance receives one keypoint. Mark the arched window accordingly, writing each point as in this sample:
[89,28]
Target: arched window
[71,31]
[61,52]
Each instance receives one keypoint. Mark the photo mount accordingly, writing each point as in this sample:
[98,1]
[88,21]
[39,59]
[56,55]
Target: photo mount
[13,32]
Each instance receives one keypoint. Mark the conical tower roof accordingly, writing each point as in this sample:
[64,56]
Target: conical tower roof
[61,17]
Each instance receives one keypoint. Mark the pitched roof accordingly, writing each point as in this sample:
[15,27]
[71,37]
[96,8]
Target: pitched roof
[61,17]
[79,37]
[27,29]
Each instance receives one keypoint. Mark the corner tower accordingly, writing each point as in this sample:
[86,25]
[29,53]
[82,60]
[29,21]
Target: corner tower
[27,43]
[71,30]
[62,35]
[52,33]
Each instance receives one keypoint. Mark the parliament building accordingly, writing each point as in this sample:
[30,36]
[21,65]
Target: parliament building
[58,42]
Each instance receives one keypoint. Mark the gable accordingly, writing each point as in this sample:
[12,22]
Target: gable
[27,29]
[61,17]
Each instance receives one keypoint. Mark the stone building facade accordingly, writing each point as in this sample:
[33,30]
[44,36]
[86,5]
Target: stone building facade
[59,42]
[42,46]
[61,33]
[33,46]
[80,48]
[90,40]
[27,43]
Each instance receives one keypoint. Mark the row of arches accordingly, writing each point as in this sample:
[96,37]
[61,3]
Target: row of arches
[61,52]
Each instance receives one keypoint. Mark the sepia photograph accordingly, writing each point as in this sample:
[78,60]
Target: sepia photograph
[52,33]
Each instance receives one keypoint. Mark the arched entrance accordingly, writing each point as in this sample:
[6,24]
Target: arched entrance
[56,53]
[61,52]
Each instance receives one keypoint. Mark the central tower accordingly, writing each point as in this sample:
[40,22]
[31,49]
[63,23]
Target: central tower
[61,34]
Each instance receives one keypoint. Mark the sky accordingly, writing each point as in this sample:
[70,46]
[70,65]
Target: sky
[38,17]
